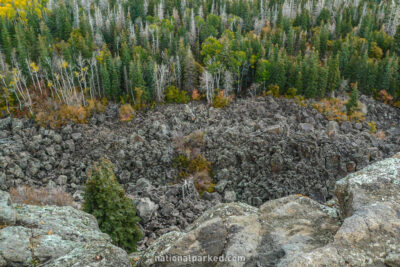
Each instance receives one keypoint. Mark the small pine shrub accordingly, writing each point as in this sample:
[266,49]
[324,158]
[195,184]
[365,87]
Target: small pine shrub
[105,199]
[174,95]
[126,113]
[220,100]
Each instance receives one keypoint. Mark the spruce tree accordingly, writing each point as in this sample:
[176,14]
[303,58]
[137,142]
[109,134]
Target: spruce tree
[396,41]
[189,73]
[352,104]
[105,199]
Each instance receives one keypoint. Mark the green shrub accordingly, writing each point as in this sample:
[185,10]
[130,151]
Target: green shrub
[174,95]
[291,93]
[105,199]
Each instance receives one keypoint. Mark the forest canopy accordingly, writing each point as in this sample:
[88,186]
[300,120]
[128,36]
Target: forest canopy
[56,52]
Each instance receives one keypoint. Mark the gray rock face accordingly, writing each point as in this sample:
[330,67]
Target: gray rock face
[296,231]
[54,236]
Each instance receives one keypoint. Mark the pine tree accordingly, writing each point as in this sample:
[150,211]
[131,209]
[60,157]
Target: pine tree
[353,101]
[136,74]
[333,74]
[189,73]
[322,81]
[115,80]
[105,78]
[105,199]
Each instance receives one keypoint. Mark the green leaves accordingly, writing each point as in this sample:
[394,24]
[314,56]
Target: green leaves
[105,199]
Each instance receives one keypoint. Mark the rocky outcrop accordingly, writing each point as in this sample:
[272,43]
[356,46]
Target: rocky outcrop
[362,228]
[53,236]
[260,149]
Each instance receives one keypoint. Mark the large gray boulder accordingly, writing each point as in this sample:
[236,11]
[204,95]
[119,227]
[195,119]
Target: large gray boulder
[267,236]
[53,236]
[360,228]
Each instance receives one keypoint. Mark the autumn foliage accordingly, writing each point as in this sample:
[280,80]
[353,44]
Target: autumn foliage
[221,100]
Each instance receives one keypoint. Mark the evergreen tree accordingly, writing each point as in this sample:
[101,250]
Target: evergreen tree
[396,42]
[352,104]
[333,74]
[105,199]
[189,73]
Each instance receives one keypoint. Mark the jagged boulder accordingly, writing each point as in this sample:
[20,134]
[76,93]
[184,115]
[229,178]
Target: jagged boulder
[369,202]
[53,236]
[360,228]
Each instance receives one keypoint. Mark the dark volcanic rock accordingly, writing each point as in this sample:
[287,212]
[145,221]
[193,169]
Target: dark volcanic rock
[266,148]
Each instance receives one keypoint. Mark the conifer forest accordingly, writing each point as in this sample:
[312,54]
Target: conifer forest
[77,53]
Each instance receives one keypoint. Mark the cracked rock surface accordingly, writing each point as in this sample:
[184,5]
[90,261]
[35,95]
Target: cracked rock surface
[53,236]
[361,229]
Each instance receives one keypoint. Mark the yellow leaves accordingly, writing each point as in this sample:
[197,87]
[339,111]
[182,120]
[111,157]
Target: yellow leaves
[50,232]
[41,222]
[64,64]
[49,84]
[100,57]
[34,67]
[12,8]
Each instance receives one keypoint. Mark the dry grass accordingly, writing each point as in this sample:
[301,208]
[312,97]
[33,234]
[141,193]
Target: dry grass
[41,196]
[203,182]
[190,145]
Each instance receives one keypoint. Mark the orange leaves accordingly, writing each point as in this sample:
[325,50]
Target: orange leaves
[385,97]
[126,113]
[196,95]
[221,100]
[61,116]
